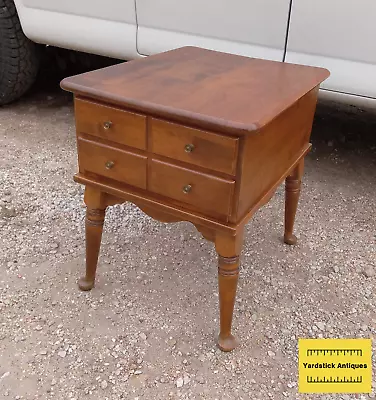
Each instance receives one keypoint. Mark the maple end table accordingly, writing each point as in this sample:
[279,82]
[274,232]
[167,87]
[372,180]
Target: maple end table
[194,135]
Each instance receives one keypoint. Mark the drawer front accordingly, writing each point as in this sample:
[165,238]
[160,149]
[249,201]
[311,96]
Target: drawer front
[107,161]
[111,123]
[209,194]
[194,146]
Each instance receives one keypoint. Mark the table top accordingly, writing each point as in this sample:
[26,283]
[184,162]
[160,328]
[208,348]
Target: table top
[225,92]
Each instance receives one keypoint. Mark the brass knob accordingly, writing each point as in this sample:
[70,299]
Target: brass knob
[107,125]
[109,164]
[187,189]
[189,148]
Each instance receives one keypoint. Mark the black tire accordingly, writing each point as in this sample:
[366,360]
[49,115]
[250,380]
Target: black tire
[19,56]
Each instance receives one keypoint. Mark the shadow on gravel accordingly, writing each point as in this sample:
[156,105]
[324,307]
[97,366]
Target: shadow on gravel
[345,129]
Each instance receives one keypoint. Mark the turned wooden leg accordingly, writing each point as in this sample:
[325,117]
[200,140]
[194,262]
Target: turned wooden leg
[228,249]
[95,214]
[292,192]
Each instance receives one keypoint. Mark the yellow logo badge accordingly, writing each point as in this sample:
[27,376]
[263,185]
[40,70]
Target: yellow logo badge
[335,366]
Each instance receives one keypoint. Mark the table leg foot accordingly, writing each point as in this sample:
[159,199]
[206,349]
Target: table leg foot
[227,343]
[228,272]
[95,214]
[290,239]
[228,249]
[293,184]
[84,284]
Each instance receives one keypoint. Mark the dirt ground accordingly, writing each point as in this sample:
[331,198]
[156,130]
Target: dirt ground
[147,330]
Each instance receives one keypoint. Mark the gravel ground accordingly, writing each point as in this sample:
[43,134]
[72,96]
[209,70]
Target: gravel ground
[147,330]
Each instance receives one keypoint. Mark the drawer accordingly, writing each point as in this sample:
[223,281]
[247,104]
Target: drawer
[111,123]
[209,194]
[194,146]
[113,163]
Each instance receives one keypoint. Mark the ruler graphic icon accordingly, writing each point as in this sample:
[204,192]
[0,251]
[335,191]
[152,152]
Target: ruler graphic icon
[331,352]
[331,379]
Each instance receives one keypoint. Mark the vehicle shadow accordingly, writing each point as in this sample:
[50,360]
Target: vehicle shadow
[344,128]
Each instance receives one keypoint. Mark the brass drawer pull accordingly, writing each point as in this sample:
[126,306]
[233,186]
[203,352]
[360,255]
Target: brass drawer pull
[107,125]
[109,164]
[189,148]
[187,189]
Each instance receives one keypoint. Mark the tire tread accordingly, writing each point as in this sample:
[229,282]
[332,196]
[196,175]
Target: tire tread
[19,56]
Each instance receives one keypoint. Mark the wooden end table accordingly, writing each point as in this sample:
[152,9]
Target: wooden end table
[194,135]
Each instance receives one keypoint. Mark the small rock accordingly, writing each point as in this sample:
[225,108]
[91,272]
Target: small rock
[271,353]
[364,328]
[171,342]
[186,380]
[320,325]
[104,385]
[368,271]
[184,348]
[62,353]
[43,352]
[5,374]
[336,269]
[53,382]
[180,382]
[7,212]
[38,328]
[200,379]
[138,372]
[143,336]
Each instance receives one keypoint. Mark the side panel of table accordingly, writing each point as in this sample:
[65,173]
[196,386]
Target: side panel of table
[266,157]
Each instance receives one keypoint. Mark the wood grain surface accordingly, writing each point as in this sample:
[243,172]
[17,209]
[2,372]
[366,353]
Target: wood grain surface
[226,92]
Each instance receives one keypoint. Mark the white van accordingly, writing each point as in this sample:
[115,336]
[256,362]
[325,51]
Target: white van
[338,34]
